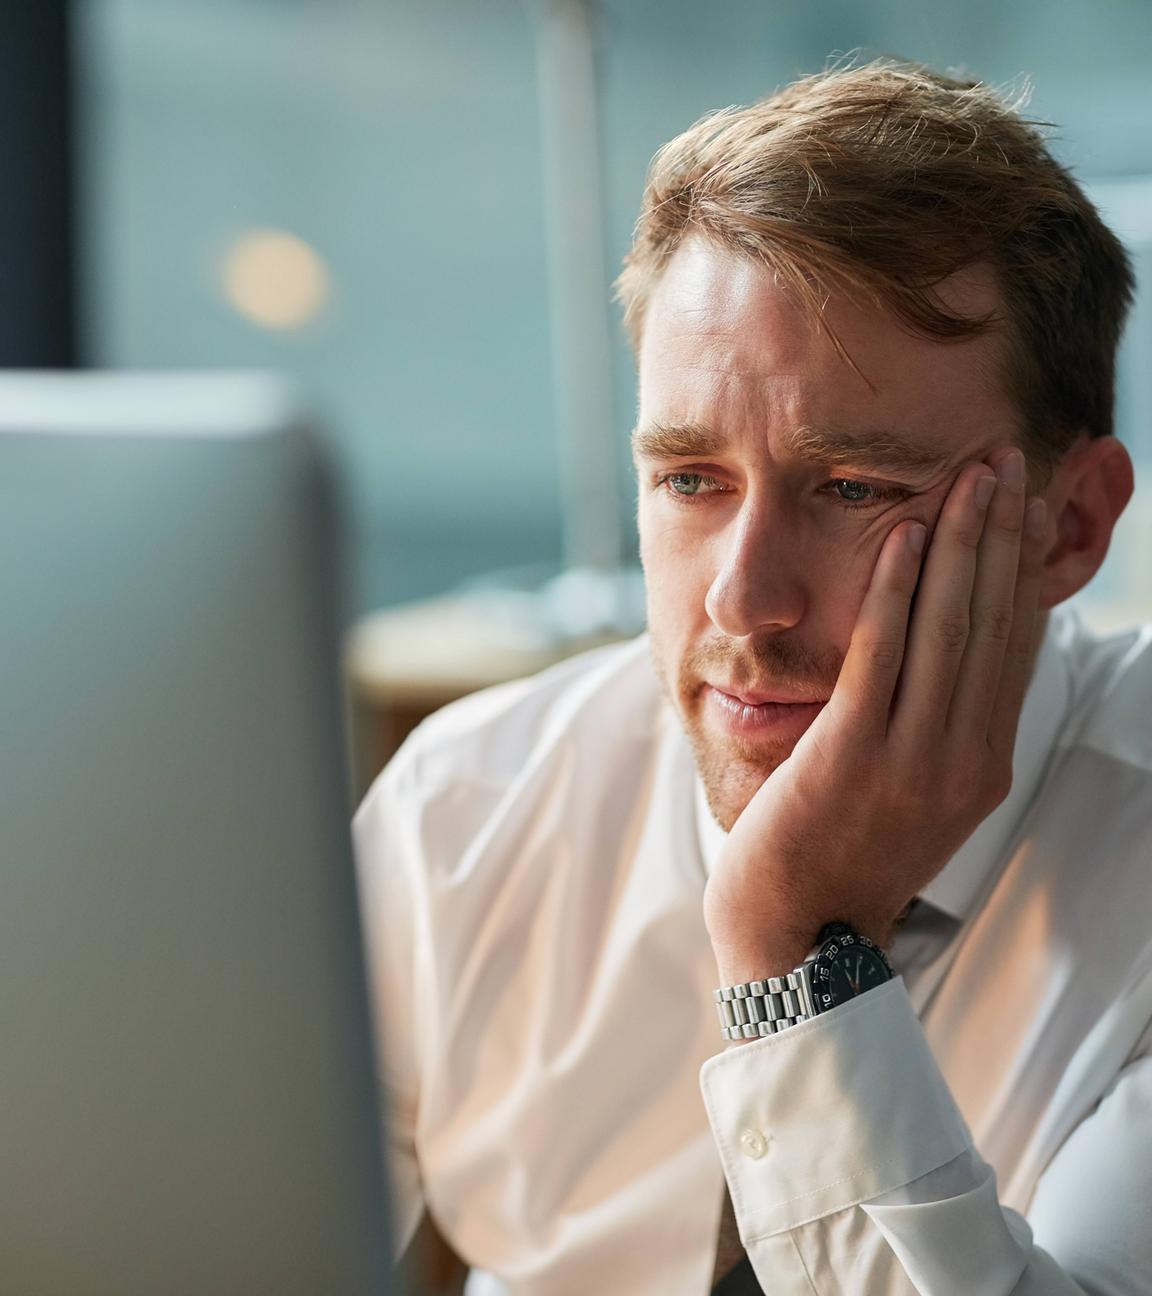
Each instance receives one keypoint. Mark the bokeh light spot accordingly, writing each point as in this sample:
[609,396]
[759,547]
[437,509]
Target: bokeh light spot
[275,279]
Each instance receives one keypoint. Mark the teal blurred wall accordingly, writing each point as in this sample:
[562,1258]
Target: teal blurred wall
[400,138]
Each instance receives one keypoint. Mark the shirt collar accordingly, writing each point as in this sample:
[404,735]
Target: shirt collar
[956,888]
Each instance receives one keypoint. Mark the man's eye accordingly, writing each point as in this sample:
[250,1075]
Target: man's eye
[686,486]
[692,488]
[859,494]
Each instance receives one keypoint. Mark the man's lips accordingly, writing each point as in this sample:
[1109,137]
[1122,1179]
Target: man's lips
[757,697]
[760,714]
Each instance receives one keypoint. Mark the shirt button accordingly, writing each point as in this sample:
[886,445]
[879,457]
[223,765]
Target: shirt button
[753,1144]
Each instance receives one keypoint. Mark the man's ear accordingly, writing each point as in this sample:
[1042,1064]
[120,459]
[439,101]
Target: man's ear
[1090,488]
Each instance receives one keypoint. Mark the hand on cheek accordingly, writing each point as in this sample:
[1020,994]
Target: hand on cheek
[914,748]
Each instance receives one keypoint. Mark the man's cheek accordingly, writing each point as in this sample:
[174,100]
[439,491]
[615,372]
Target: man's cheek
[670,558]
[925,508]
[852,577]
[676,604]
[669,584]
[855,572]
[658,540]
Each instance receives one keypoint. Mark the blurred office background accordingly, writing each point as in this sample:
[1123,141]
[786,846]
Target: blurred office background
[366,194]
[416,207]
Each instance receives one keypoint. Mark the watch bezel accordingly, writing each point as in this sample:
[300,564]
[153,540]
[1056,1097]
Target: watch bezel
[835,938]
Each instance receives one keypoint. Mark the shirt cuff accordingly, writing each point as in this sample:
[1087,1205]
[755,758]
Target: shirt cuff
[830,1113]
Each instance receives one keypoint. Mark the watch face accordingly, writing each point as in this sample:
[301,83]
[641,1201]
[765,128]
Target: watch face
[847,965]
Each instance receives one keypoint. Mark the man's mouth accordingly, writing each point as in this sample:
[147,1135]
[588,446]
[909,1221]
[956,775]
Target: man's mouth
[755,713]
[757,697]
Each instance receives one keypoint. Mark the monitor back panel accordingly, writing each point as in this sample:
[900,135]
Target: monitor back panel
[186,1103]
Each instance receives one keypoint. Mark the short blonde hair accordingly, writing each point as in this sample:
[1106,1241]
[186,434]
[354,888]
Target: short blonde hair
[881,180]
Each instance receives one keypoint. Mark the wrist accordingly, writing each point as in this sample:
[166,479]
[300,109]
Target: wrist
[741,956]
[756,961]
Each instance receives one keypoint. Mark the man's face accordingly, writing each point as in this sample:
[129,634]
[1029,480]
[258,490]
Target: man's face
[769,473]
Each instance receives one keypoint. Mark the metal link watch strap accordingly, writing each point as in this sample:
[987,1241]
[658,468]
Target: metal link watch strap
[762,1007]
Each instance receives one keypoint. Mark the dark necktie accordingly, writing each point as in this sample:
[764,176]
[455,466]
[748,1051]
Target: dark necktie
[733,1274]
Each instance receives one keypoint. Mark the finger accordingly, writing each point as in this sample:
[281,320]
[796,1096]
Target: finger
[993,605]
[1021,646]
[867,679]
[938,635]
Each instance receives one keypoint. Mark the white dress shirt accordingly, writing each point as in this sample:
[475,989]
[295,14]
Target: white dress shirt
[532,867]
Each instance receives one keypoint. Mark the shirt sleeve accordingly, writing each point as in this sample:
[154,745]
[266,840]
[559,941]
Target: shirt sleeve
[386,857]
[852,1171]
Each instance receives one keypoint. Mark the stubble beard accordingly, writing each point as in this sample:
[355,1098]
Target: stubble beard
[730,778]
[732,769]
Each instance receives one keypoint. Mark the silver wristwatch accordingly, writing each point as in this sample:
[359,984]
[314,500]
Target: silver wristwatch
[842,965]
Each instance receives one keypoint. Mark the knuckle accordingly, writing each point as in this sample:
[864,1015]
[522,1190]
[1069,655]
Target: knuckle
[997,786]
[1019,653]
[951,630]
[1010,525]
[968,537]
[995,622]
[871,696]
[967,784]
[884,653]
[977,781]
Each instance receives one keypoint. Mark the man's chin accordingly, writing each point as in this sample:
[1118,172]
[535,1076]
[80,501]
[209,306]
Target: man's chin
[733,771]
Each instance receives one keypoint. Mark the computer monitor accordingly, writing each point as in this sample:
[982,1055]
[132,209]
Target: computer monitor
[187,1102]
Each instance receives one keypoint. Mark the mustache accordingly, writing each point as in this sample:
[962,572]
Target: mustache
[762,665]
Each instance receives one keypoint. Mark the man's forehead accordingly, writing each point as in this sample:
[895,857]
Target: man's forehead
[726,346]
[711,287]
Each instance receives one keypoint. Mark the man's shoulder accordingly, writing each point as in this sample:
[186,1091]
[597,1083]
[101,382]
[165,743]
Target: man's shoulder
[606,695]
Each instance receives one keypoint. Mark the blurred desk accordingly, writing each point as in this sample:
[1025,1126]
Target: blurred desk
[404,663]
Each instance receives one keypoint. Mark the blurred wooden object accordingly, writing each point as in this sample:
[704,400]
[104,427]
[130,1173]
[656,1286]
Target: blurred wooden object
[430,1266]
[403,663]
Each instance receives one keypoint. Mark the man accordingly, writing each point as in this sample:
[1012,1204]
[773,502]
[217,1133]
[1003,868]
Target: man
[875,325]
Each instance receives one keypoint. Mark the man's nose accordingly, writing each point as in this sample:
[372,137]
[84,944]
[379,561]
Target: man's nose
[760,575]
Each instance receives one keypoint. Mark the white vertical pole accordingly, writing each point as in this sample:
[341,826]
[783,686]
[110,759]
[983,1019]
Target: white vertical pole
[578,282]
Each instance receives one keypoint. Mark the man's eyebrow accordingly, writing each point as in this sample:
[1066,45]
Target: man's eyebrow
[676,441]
[879,450]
